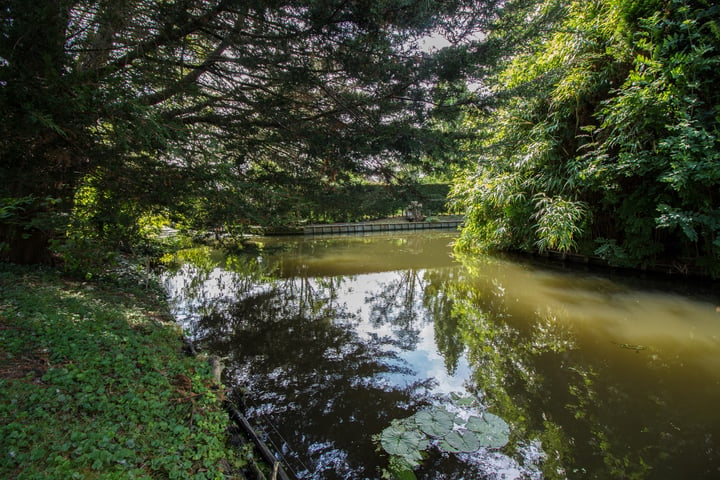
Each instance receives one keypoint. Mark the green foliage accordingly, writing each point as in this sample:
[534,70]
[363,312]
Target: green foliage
[604,131]
[93,385]
[85,257]
[12,210]
[558,223]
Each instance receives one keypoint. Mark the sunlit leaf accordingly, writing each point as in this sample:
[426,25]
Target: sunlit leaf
[405,474]
[400,469]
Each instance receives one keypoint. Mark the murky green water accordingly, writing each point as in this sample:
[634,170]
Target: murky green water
[330,339]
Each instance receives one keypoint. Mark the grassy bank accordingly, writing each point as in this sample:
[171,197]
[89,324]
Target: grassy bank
[93,384]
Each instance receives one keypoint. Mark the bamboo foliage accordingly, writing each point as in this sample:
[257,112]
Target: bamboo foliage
[607,130]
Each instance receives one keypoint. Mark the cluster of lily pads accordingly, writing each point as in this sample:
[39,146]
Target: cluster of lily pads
[460,432]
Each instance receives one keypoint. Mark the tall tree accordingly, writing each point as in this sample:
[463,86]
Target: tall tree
[140,100]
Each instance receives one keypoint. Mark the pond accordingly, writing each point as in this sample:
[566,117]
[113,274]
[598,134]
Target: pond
[328,340]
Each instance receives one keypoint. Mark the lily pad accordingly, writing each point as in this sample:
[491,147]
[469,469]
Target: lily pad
[462,401]
[436,422]
[414,458]
[492,431]
[460,441]
[400,441]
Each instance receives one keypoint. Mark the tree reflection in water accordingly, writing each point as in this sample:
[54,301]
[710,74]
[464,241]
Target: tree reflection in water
[599,411]
[396,304]
[329,373]
[293,352]
[299,358]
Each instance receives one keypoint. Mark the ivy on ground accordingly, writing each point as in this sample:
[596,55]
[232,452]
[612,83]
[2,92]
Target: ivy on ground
[93,384]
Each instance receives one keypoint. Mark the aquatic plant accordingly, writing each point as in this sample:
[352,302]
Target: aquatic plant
[406,439]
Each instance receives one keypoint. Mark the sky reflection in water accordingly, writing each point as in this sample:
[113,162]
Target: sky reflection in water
[332,338]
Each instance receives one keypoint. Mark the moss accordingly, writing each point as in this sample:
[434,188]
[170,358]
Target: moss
[93,384]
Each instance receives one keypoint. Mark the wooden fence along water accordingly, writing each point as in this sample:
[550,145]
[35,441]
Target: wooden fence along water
[336,228]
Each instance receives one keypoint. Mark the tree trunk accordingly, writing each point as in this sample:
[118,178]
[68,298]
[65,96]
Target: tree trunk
[29,246]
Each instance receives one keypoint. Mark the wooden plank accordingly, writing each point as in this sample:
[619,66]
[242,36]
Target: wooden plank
[265,452]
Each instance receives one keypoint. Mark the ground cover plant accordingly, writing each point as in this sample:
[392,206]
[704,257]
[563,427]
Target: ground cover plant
[93,384]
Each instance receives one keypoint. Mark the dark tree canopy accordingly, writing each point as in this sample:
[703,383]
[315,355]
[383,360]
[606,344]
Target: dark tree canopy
[159,103]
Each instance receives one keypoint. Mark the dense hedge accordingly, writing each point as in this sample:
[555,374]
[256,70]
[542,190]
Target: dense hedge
[371,201]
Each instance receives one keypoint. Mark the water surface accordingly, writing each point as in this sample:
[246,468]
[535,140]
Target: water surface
[328,339]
